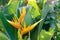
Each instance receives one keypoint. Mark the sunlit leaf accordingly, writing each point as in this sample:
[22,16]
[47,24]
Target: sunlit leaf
[12,32]
[3,36]
[34,4]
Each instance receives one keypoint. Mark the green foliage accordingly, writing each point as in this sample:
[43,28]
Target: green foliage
[28,19]
[11,8]
[8,27]
[47,29]
[36,9]
[3,2]
[3,36]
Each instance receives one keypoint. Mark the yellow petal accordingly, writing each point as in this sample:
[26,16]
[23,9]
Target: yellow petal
[21,18]
[29,28]
[15,24]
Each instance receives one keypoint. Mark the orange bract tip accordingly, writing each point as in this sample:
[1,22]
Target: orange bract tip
[21,18]
[15,24]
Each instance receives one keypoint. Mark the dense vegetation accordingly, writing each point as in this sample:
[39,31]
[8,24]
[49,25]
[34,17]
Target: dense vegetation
[29,19]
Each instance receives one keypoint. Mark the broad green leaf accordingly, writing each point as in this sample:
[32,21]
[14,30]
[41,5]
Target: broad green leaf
[3,36]
[37,30]
[47,35]
[36,9]
[57,36]
[22,3]
[44,35]
[58,26]
[34,33]
[1,24]
[11,8]
[33,12]
[40,4]
[3,2]
[12,32]
[2,27]
[45,11]
[58,21]
[28,19]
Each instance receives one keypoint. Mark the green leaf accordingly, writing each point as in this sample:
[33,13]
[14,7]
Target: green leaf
[19,35]
[3,36]
[47,35]
[23,3]
[28,19]
[45,11]
[37,30]
[36,11]
[11,8]
[40,4]
[58,26]
[2,27]
[44,35]
[12,32]
[58,36]
[3,2]
[34,33]
[58,21]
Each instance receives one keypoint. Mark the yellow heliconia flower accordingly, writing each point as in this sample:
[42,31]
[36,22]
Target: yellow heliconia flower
[18,24]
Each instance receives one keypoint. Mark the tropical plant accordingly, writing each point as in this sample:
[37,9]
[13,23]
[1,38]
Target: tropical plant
[30,20]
